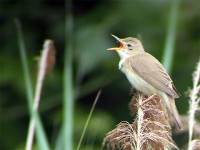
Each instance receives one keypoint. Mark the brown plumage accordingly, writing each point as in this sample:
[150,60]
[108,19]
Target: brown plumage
[151,70]
[146,74]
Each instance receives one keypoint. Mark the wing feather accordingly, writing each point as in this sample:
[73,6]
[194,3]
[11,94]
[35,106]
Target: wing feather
[152,71]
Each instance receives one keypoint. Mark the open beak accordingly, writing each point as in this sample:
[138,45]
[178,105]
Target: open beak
[120,41]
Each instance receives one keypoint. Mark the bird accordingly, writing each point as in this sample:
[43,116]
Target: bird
[146,74]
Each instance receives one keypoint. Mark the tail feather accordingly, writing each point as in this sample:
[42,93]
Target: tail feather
[170,103]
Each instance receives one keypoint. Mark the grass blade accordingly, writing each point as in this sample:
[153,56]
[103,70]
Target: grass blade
[41,137]
[88,119]
[68,100]
[168,54]
[22,50]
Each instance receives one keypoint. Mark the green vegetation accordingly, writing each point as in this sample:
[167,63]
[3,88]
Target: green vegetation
[81,37]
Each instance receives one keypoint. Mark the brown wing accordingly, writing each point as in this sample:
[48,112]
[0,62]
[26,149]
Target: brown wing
[152,71]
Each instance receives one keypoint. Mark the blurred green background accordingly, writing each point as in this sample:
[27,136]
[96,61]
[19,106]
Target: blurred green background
[94,67]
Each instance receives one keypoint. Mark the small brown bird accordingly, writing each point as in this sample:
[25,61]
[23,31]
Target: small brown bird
[146,74]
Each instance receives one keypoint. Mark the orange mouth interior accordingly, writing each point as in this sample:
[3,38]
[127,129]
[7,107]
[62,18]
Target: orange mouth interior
[117,48]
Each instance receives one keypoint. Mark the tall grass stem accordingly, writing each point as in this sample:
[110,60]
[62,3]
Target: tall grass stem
[68,93]
[42,67]
[168,54]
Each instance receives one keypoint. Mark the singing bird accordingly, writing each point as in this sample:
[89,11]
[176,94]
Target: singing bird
[146,74]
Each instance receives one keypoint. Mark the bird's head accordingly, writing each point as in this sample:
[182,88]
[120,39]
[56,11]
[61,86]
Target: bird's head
[128,46]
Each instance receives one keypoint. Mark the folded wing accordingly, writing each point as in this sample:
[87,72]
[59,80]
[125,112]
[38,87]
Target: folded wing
[152,71]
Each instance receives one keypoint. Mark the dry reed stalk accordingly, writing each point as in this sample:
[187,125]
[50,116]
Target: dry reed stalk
[194,108]
[46,62]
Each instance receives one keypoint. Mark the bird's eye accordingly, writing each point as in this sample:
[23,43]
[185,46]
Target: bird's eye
[129,45]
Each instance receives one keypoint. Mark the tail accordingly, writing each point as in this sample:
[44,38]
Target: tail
[170,103]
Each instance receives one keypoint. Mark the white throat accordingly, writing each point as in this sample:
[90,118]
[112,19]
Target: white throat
[123,56]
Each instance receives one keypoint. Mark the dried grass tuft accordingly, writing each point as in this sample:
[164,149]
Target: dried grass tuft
[150,130]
